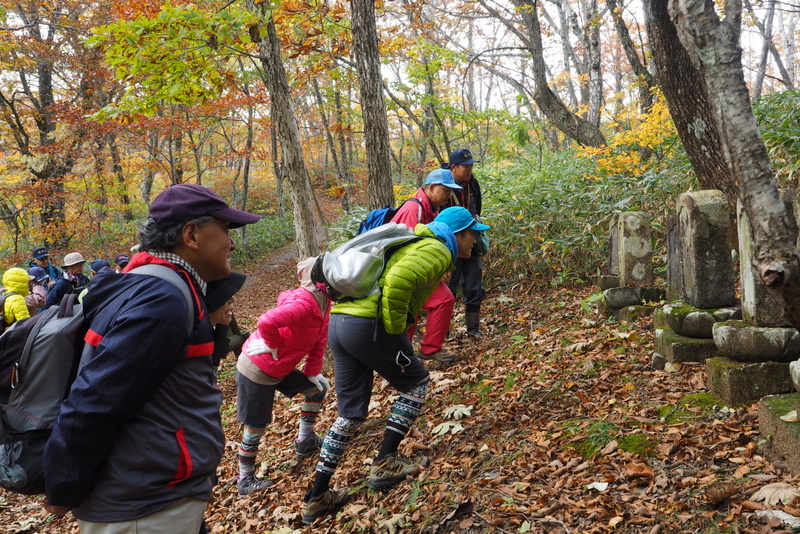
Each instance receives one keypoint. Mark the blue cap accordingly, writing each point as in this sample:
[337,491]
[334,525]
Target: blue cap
[38,273]
[459,218]
[442,176]
[99,264]
[39,253]
[462,156]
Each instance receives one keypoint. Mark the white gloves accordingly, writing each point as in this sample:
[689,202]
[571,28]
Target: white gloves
[257,346]
[320,381]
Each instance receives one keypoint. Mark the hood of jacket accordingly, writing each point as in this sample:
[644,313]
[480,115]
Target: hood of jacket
[16,280]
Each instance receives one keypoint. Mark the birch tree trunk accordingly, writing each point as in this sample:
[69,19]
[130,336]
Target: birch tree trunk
[282,110]
[713,45]
[574,127]
[373,106]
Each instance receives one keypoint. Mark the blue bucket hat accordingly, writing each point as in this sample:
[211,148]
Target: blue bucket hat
[442,176]
[459,218]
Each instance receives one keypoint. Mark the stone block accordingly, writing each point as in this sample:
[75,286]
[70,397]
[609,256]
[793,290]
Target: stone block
[635,249]
[658,319]
[782,439]
[742,342]
[613,245]
[689,321]
[678,349]
[744,382]
[632,313]
[620,297]
[674,259]
[608,281]
[759,307]
[705,239]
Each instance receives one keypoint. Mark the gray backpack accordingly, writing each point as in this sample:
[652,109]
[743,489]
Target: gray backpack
[352,270]
[39,359]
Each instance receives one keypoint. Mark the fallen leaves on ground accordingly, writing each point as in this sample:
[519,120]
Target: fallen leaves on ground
[563,427]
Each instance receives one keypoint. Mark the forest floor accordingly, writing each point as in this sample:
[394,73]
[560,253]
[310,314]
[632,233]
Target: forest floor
[553,422]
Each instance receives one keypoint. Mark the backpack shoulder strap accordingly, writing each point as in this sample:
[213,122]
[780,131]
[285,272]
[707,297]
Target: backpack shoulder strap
[165,273]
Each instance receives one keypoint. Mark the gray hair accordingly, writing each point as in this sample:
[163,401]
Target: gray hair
[152,237]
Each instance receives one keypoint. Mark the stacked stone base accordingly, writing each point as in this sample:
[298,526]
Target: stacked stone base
[629,303]
[782,439]
[744,382]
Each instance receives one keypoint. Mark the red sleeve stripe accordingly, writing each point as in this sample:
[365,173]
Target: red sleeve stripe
[93,338]
[193,351]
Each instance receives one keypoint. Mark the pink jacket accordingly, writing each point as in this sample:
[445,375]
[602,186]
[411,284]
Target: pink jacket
[411,213]
[296,327]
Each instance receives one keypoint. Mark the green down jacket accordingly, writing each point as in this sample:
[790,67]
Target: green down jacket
[410,276]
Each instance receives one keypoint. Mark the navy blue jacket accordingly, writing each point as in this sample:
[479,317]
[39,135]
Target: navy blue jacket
[140,428]
[66,285]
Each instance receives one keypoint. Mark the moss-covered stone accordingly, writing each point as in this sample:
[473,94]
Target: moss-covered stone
[680,411]
[745,343]
[782,439]
[677,349]
[742,382]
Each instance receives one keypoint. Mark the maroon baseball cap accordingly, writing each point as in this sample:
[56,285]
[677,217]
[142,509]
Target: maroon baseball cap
[181,202]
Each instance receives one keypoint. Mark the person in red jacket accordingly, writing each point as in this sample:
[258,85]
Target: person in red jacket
[439,187]
[296,328]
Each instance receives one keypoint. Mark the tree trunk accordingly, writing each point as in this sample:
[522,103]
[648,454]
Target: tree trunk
[688,102]
[714,50]
[373,106]
[582,131]
[646,80]
[282,109]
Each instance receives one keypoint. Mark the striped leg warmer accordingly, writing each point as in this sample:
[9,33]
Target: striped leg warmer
[248,449]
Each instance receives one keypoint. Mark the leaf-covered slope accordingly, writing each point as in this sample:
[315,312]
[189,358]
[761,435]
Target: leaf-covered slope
[553,422]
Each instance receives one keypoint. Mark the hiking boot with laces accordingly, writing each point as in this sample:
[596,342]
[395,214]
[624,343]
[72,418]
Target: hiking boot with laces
[328,503]
[251,483]
[393,469]
[442,356]
[308,446]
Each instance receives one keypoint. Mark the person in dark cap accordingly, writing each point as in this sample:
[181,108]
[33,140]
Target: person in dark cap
[37,282]
[137,442]
[219,301]
[469,271]
[41,258]
[120,262]
[96,265]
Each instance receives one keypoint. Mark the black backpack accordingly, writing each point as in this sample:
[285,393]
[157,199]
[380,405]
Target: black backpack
[39,360]
[3,295]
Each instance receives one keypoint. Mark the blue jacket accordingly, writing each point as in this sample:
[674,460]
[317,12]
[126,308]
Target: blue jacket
[65,285]
[140,428]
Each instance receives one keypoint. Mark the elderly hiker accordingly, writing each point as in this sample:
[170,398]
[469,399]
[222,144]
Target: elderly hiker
[138,439]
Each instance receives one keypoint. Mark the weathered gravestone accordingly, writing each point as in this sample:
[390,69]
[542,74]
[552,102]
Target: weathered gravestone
[757,349]
[700,278]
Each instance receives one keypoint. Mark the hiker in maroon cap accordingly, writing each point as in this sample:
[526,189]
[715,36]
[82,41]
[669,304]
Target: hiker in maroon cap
[138,439]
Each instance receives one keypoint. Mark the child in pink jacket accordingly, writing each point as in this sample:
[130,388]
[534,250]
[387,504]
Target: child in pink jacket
[296,328]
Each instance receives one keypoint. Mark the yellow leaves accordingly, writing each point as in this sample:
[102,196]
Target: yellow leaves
[653,131]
